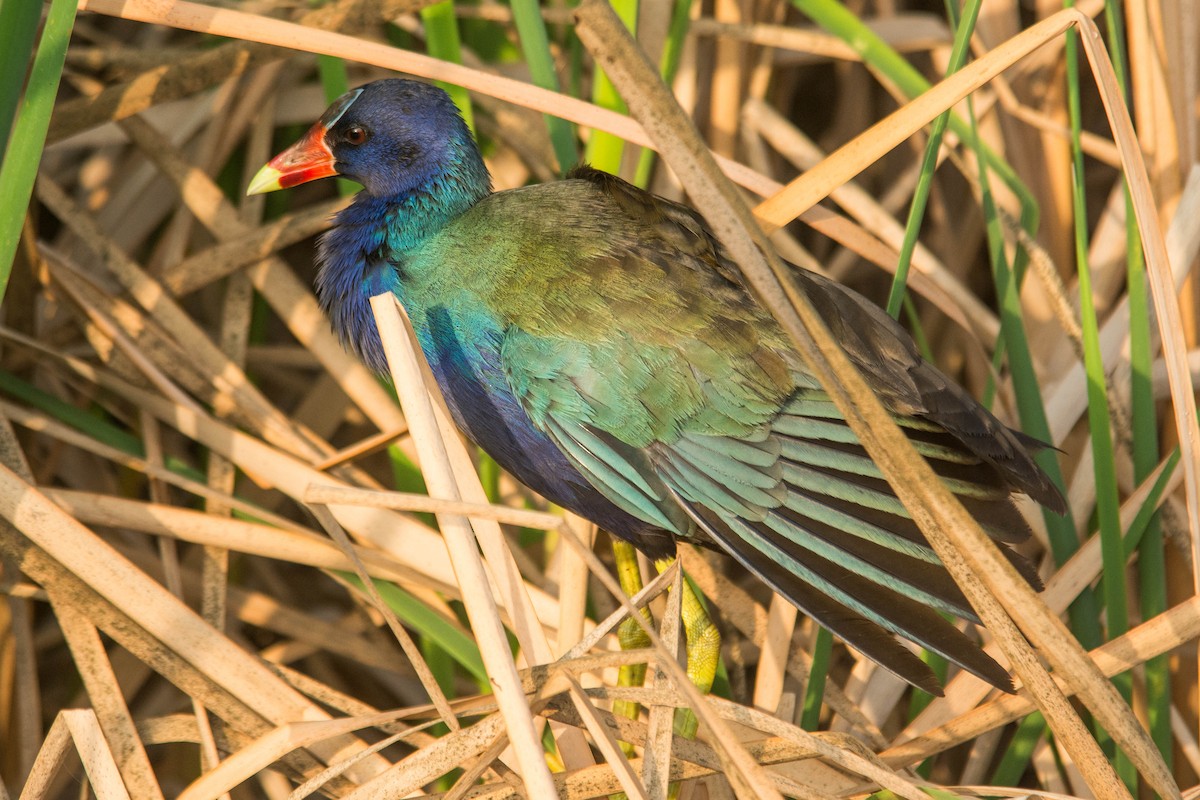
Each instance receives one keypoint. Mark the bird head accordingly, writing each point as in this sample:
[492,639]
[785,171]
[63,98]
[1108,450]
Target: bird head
[392,136]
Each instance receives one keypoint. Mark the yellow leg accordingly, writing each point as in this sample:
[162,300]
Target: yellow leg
[703,640]
[629,634]
[703,644]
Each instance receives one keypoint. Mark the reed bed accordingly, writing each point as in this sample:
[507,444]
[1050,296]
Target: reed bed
[237,564]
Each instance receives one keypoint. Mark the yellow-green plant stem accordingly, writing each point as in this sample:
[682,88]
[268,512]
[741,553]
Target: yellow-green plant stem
[604,149]
[703,650]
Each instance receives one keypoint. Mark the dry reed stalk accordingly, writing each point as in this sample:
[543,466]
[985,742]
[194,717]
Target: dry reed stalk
[78,729]
[432,428]
[150,244]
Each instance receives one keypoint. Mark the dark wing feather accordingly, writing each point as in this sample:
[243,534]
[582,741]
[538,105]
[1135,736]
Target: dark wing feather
[907,384]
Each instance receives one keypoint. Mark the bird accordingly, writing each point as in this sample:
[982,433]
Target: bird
[601,345]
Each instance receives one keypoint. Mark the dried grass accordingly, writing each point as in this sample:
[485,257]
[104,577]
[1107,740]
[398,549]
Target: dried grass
[199,551]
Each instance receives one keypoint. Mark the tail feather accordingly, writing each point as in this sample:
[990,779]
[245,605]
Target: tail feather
[853,459]
[865,635]
[920,577]
[788,533]
[871,499]
[891,527]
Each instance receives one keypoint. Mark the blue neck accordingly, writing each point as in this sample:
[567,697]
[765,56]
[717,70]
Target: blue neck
[366,251]
[404,220]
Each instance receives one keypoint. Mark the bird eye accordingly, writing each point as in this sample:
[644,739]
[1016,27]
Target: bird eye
[356,135]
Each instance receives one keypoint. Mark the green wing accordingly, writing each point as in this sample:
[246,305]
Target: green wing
[679,399]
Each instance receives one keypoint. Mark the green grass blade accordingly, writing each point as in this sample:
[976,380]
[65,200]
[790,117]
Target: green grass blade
[24,151]
[18,31]
[334,80]
[814,690]
[1147,517]
[916,212]
[441,40]
[668,66]
[426,622]
[441,665]
[875,52]
[1108,502]
[1084,612]
[920,700]
[835,18]
[1152,567]
[1018,752]
[604,150]
[917,331]
[933,791]
[84,421]
[93,424]
[1107,497]
[527,15]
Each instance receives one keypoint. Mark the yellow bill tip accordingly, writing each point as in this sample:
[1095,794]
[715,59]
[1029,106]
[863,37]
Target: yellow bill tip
[265,180]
